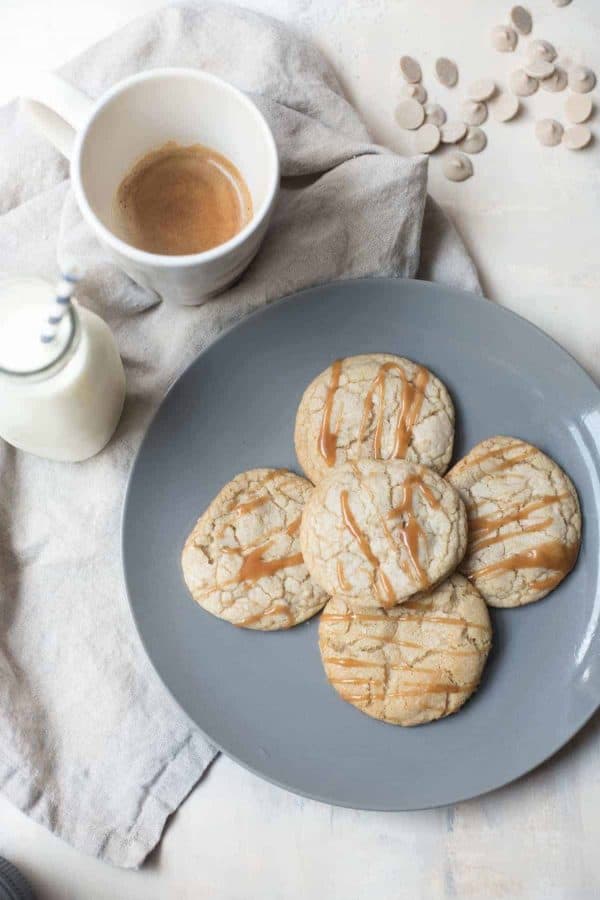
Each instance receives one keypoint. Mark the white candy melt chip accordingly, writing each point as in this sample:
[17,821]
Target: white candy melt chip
[521,19]
[581,79]
[578,108]
[457,167]
[427,138]
[435,114]
[414,92]
[474,142]
[541,50]
[522,84]
[453,132]
[549,132]
[539,68]
[474,113]
[410,114]
[505,107]
[410,69]
[446,71]
[482,89]
[577,137]
[555,82]
[504,38]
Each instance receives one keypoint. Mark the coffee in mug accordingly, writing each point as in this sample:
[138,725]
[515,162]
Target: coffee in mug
[180,200]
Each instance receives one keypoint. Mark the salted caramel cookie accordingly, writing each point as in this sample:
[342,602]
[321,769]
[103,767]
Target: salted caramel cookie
[376,532]
[242,561]
[524,520]
[411,664]
[375,406]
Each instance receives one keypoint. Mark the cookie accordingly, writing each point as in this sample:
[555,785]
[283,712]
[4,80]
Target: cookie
[411,664]
[524,521]
[376,532]
[375,406]
[242,561]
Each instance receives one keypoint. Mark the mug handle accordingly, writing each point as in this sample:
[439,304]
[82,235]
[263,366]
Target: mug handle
[57,110]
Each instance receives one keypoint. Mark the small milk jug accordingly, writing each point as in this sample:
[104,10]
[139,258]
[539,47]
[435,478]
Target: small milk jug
[62,384]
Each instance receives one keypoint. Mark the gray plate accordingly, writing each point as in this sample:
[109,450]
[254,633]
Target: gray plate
[263,698]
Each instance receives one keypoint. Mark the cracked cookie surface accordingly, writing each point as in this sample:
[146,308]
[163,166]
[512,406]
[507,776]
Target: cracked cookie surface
[376,532]
[374,406]
[242,561]
[524,521]
[411,664]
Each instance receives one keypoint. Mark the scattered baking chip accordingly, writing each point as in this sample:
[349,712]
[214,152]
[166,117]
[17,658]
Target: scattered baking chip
[505,107]
[555,82]
[577,137]
[474,141]
[581,79]
[457,167]
[504,38]
[410,68]
[541,50]
[452,132]
[482,89]
[474,113]
[578,108]
[414,92]
[539,68]
[522,84]
[521,19]
[549,132]
[435,114]
[409,114]
[446,71]
[427,138]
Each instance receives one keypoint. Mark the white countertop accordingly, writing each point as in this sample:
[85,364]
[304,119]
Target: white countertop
[530,217]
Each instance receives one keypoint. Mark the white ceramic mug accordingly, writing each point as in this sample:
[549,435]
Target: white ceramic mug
[104,139]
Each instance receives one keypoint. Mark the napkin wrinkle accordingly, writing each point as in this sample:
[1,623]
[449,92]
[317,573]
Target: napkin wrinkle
[92,746]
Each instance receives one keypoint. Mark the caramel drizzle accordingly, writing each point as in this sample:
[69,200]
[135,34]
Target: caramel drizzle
[444,620]
[345,586]
[413,394]
[418,688]
[434,689]
[361,697]
[447,651]
[255,501]
[327,437]
[352,662]
[383,586]
[368,617]
[450,651]
[247,507]
[255,566]
[416,691]
[483,526]
[549,555]
[408,490]
[505,536]
[294,526]
[350,616]
[281,609]
[411,531]
[497,455]
[418,605]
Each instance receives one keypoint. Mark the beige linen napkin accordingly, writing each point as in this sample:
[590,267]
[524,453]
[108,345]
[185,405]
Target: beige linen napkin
[91,745]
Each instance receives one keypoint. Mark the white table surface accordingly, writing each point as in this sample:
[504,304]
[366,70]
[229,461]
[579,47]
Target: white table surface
[530,217]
